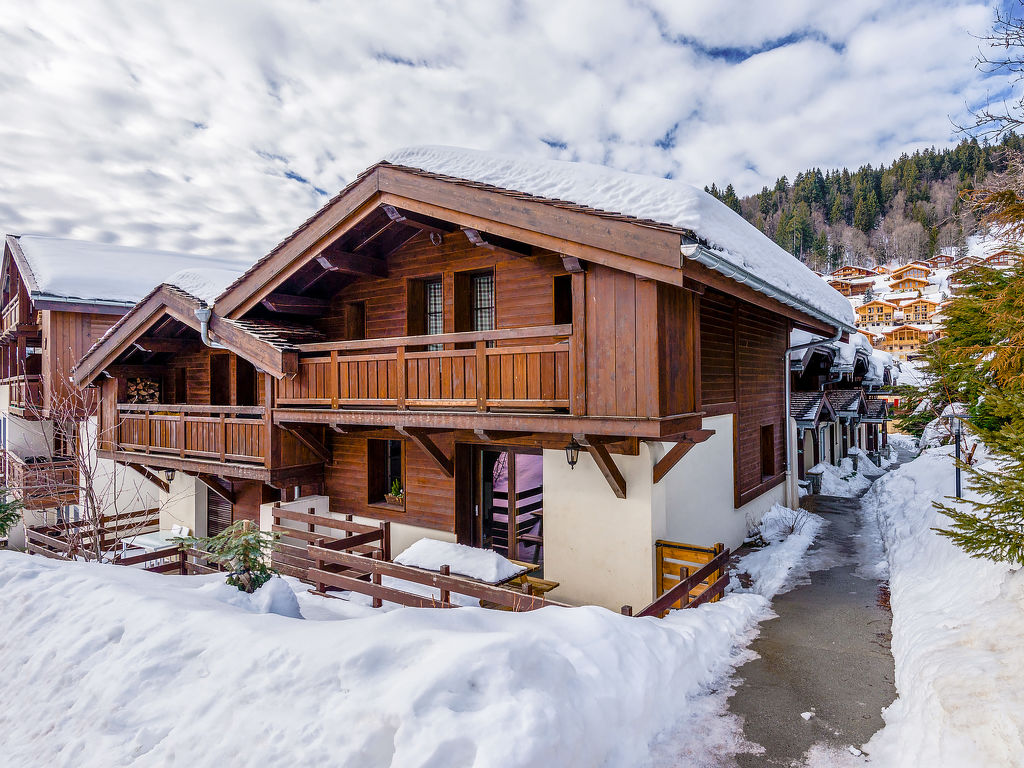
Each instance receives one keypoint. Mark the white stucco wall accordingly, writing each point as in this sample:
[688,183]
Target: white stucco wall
[28,438]
[184,504]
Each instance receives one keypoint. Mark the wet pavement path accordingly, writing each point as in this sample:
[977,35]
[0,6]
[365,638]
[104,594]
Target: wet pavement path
[828,652]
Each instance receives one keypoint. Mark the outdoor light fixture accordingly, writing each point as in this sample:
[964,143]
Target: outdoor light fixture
[572,453]
[169,475]
[955,420]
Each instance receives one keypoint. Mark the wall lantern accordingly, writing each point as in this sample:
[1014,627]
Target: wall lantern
[169,475]
[572,453]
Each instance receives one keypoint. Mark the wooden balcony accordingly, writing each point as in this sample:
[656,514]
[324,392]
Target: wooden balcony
[41,484]
[528,371]
[26,394]
[16,316]
[210,432]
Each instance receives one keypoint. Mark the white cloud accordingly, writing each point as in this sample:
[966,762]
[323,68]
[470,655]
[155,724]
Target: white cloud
[192,125]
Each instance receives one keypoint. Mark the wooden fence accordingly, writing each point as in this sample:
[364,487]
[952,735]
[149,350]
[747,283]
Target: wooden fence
[340,570]
[78,537]
[291,556]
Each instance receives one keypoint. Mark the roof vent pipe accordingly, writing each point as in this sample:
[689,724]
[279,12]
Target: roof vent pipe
[203,316]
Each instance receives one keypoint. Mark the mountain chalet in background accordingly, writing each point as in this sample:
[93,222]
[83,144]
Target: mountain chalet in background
[561,362]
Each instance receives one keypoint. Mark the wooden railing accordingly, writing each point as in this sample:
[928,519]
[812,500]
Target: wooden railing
[12,316]
[43,484]
[698,587]
[69,538]
[473,371]
[25,391]
[291,557]
[364,574]
[223,433]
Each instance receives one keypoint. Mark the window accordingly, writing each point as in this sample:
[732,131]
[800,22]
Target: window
[355,320]
[483,301]
[767,450]
[562,290]
[384,463]
[433,305]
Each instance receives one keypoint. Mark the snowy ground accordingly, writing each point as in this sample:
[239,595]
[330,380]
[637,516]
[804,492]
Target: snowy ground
[843,480]
[122,667]
[957,629]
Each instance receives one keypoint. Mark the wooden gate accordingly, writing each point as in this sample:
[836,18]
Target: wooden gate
[676,561]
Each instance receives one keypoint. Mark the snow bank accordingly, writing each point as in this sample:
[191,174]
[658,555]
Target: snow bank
[902,442]
[841,480]
[665,201]
[483,564]
[789,533]
[82,270]
[117,666]
[957,624]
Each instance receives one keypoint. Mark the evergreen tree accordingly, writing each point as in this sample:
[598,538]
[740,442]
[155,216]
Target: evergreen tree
[244,550]
[10,512]
[729,198]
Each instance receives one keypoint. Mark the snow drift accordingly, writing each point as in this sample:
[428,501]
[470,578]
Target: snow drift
[117,666]
[957,624]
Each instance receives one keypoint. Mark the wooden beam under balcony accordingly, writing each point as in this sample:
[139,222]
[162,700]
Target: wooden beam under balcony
[352,264]
[151,476]
[308,438]
[295,305]
[422,438]
[149,344]
[220,486]
[597,450]
[677,451]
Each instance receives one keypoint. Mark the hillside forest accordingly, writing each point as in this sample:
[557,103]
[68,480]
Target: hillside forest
[906,211]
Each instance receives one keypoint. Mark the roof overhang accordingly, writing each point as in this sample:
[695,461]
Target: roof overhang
[166,301]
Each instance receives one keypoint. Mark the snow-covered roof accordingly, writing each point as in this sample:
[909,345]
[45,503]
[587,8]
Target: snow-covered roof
[62,270]
[204,283]
[669,202]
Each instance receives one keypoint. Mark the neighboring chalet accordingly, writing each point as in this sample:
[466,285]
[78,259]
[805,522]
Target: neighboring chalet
[59,297]
[557,361]
[850,272]
[904,341]
[918,284]
[875,313]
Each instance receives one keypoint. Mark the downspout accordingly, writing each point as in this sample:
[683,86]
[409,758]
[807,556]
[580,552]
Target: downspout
[788,387]
[203,316]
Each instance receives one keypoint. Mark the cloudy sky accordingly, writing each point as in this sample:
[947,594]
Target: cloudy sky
[218,126]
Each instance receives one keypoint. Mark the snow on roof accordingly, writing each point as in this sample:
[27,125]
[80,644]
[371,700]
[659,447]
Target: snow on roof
[75,270]
[848,351]
[204,283]
[664,201]
[879,361]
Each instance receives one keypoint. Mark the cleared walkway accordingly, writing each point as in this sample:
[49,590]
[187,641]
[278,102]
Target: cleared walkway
[828,652]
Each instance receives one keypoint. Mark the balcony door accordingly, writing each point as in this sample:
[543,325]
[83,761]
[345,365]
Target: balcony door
[508,503]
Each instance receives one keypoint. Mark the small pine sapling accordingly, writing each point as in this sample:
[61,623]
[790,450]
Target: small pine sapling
[10,512]
[244,550]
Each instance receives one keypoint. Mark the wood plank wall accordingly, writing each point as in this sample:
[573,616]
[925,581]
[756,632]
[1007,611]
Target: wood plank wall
[742,373]
[429,493]
[66,337]
[523,286]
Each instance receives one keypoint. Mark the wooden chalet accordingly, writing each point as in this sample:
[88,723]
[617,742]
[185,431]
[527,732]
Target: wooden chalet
[904,341]
[841,284]
[59,297]
[916,269]
[432,350]
[850,271]
[908,284]
[1003,258]
[875,313]
[919,310]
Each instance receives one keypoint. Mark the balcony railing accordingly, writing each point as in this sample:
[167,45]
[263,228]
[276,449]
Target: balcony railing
[42,483]
[222,433]
[26,392]
[531,371]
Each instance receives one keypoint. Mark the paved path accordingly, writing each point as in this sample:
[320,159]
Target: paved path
[827,652]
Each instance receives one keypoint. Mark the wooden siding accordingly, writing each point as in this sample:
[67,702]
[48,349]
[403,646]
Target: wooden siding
[429,493]
[717,348]
[66,337]
[761,343]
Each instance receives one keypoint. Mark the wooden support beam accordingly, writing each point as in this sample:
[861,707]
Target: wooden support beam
[220,486]
[677,451]
[495,435]
[604,462]
[308,438]
[295,305]
[476,238]
[353,429]
[423,223]
[150,344]
[151,476]
[573,264]
[352,264]
[422,438]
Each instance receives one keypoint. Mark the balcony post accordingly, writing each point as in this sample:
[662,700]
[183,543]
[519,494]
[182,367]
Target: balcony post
[578,347]
[481,376]
[332,380]
[223,437]
[400,377]
[148,442]
[181,433]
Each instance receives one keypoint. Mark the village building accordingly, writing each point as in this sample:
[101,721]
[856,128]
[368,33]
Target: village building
[907,284]
[59,297]
[920,310]
[560,362]
[842,285]
[875,313]
[904,342]
[850,271]
[916,269]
